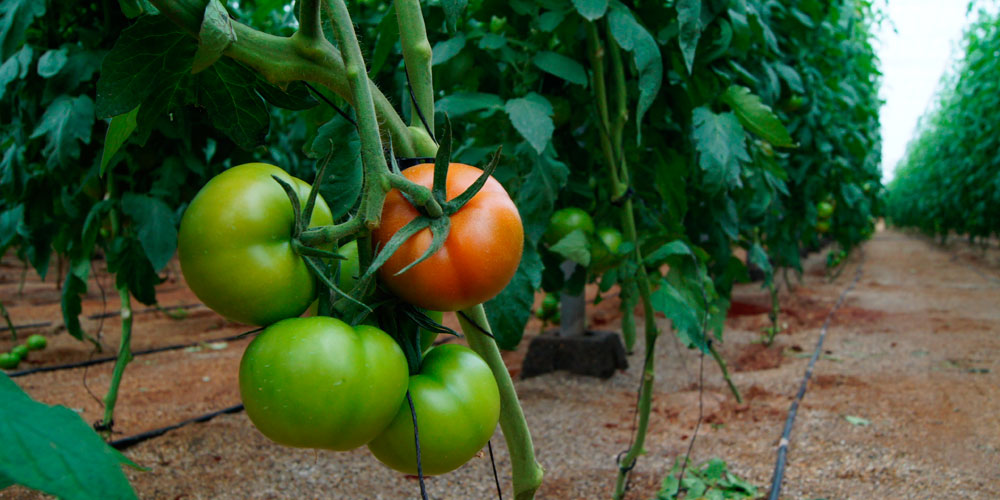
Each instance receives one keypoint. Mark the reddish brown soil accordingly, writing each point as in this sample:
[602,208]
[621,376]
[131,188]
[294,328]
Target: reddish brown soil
[914,351]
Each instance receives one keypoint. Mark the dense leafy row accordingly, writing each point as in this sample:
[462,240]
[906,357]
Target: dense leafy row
[949,180]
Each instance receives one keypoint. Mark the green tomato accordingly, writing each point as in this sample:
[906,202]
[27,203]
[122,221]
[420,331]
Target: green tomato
[319,383]
[824,209]
[823,226]
[566,221]
[21,351]
[457,405]
[550,306]
[604,249]
[9,361]
[235,246]
[36,343]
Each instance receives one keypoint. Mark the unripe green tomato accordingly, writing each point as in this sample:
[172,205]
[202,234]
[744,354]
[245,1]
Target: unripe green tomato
[320,383]
[235,245]
[457,405]
[824,209]
[823,226]
[566,221]
[604,250]
[9,361]
[36,343]
[21,351]
[549,307]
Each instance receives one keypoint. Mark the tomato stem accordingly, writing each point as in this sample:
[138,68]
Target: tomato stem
[10,324]
[417,61]
[324,235]
[124,357]
[420,195]
[526,471]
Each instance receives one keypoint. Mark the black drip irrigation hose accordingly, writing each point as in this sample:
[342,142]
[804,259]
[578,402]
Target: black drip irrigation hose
[105,315]
[108,359]
[779,466]
[127,442]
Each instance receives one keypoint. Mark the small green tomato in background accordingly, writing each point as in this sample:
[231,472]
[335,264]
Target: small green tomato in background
[566,221]
[319,383]
[824,209]
[604,250]
[457,405]
[549,307]
[9,361]
[235,245]
[21,351]
[36,343]
[823,226]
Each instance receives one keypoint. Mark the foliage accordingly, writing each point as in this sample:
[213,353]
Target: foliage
[949,180]
[51,449]
[711,480]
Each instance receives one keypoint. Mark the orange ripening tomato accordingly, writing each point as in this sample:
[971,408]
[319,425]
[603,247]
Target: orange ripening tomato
[479,257]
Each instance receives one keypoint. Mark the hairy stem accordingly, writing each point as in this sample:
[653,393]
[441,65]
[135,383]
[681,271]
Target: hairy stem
[527,473]
[282,60]
[309,20]
[417,57]
[419,194]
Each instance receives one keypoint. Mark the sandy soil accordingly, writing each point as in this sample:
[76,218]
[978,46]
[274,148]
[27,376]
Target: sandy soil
[914,351]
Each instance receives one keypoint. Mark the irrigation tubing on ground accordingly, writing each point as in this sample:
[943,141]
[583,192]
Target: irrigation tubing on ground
[126,442]
[105,315]
[108,359]
[779,465]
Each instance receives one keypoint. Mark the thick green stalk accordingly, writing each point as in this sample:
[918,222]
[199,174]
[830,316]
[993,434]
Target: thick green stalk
[372,156]
[618,170]
[124,357]
[527,473]
[309,21]
[281,60]
[417,57]
[725,373]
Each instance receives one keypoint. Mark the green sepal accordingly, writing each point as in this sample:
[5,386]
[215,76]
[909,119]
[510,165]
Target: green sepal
[454,205]
[317,271]
[314,190]
[420,317]
[440,227]
[441,163]
[296,206]
[397,240]
[315,252]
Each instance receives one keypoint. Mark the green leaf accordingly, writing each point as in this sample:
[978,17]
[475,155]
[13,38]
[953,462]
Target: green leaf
[51,62]
[858,421]
[128,262]
[70,302]
[215,36]
[15,17]
[758,257]
[689,19]
[119,130]
[561,66]
[756,116]
[536,198]
[550,20]
[16,66]
[51,449]
[66,121]
[445,50]
[676,247]
[155,225]
[492,41]
[508,312]
[791,77]
[10,219]
[591,10]
[229,96]
[683,314]
[575,247]
[531,115]
[634,38]
[721,144]
[463,103]
[342,185]
[453,12]
[150,57]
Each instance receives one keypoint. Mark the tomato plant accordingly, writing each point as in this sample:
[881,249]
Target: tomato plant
[457,406]
[235,246]
[319,383]
[479,257]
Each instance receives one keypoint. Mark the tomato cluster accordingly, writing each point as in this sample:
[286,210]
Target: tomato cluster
[10,360]
[320,382]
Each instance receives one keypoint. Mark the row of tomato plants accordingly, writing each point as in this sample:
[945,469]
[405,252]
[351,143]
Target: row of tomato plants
[948,181]
[691,129]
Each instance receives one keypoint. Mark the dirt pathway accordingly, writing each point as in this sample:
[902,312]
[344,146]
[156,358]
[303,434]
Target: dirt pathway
[913,353]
